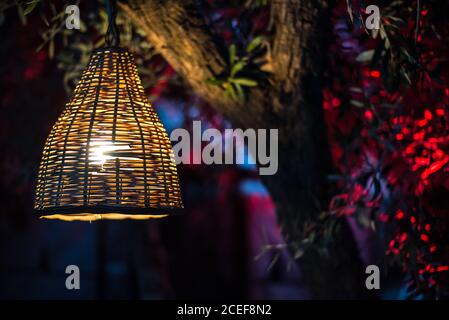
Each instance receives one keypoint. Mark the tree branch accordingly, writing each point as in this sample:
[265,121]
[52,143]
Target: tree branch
[297,47]
[180,33]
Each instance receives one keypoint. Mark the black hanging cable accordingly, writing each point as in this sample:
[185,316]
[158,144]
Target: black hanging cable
[112,35]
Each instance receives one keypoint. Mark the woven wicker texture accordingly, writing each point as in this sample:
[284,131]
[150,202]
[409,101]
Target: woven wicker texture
[108,156]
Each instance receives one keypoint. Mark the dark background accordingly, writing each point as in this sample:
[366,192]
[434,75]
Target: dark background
[207,252]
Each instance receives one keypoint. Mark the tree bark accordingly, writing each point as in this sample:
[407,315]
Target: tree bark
[290,101]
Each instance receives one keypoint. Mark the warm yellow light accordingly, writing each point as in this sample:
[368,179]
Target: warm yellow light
[102,151]
[103,216]
[108,156]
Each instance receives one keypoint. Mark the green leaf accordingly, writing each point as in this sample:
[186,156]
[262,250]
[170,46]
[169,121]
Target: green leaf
[349,9]
[232,50]
[273,262]
[22,17]
[237,67]
[240,93]
[365,56]
[254,44]
[231,92]
[406,76]
[396,19]
[356,103]
[30,6]
[418,16]
[298,253]
[214,81]
[244,82]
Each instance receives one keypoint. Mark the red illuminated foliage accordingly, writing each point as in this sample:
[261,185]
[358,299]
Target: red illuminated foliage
[390,143]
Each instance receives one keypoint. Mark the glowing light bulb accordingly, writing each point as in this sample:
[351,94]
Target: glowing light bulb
[102,151]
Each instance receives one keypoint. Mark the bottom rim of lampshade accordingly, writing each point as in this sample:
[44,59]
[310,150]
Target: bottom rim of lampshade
[104,212]
[103,216]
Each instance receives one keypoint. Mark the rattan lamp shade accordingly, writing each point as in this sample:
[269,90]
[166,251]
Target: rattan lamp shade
[108,156]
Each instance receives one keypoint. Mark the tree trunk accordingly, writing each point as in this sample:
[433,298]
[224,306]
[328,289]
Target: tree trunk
[290,101]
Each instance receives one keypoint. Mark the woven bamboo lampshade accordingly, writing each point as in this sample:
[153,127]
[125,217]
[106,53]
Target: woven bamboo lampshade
[108,156]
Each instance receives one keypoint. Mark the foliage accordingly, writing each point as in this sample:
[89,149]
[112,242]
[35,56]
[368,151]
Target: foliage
[244,29]
[72,48]
[388,128]
[242,71]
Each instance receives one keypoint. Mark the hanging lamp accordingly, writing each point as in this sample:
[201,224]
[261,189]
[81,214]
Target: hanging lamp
[108,156]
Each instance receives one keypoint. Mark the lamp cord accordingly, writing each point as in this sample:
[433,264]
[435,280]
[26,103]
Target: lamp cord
[112,37]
